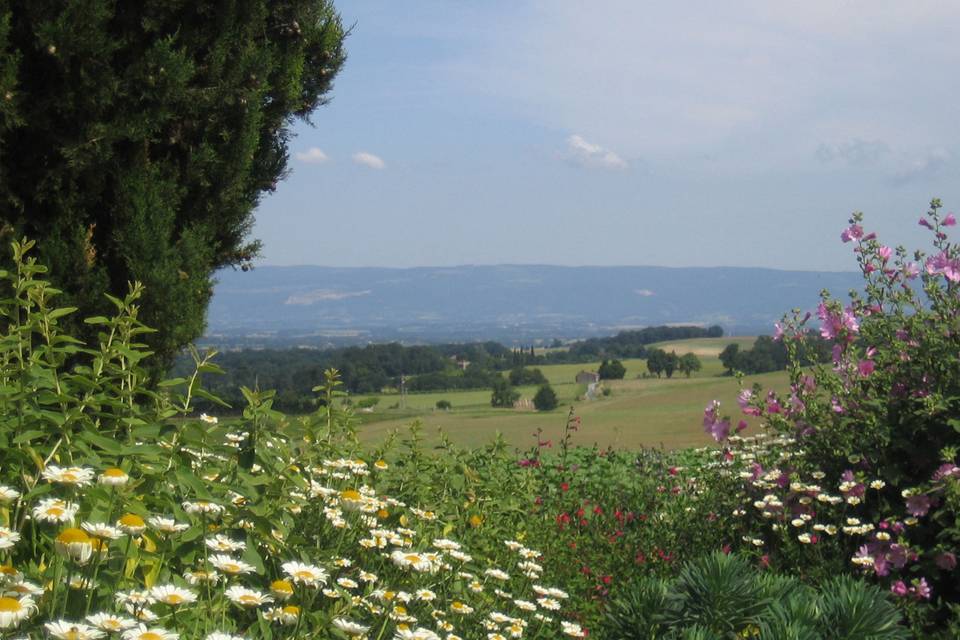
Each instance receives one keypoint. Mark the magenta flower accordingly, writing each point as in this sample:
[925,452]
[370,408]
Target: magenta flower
[919,505]
[884,253]
[777,331]
[866,367]
[946,561]
[899,588]
[946,470]
[942,263]
[713,424]
[949,221]
[925,223]
[743,399]
[921,589]
[853,232]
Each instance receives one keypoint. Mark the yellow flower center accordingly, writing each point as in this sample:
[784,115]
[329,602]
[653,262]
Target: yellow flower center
[55,512]
[351,494]
[383,514]
[281,586]
[132,520]
[73,634]
[10,605]
[248,599]
[291,610]
[114,472]
[8,570]
[149,635]
[174,598]
[72,535]
[412,557]
[305,575]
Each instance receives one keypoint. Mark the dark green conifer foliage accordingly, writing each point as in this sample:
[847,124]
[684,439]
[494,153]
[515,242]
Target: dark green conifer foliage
[137,138]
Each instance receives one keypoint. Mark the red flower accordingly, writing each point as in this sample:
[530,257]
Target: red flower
[564,486]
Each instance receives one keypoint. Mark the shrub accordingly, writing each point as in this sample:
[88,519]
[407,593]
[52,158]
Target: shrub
[444,405]
[871,439]
[722,596]
[545,399]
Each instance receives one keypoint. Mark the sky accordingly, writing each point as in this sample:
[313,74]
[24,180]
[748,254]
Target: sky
[621,132]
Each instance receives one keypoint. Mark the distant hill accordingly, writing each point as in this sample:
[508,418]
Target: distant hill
[329,306]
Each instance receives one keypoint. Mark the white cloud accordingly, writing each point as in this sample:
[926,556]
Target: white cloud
[589,154]
[756,83]
[313,155]
[369,160]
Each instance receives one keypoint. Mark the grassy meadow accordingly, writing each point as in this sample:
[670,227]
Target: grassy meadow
[638,412]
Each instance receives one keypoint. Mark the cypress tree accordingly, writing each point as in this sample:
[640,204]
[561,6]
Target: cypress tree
[137,138]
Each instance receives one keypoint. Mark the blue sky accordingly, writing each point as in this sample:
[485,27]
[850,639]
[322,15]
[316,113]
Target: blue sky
[623,133]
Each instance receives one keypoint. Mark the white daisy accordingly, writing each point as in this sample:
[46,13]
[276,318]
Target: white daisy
[8,538]
[63,630]
[55,510]
[74,476]
[13,611]
[308,574]
[172,595]
[231,567]
[110,622]
[247,597]
[154,633]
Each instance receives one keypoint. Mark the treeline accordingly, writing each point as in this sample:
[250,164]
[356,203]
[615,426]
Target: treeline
[768,355]
[375,367]
[631,344]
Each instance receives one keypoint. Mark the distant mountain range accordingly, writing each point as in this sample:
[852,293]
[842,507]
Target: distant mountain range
[522,304]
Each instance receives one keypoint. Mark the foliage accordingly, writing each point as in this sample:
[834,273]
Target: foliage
[444,405]
[503,395]
[689,363]
[139,138]
[868,467]
[612,370]
[722,596]
[122,510]
[661,362]
[523,376]
[629,344]
[768,354]
[545,399]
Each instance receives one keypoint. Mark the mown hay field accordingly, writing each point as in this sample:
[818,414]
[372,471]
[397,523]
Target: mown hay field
[638,412]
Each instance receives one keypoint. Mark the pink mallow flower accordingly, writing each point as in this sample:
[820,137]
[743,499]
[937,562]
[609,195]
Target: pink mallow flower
[949,221]
[713,424]
[865,367]
[942,263]
[743,399]
[919,505]
[853,232]
[946,561]
[921,590]
[899,588]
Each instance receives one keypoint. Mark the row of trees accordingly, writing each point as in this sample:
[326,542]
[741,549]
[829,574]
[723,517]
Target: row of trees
[768,354]
[504,395]
[659,362]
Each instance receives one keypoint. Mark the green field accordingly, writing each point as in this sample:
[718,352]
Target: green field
[638,412]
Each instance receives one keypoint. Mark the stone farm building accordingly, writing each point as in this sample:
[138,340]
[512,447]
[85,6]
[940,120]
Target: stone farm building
[587,377]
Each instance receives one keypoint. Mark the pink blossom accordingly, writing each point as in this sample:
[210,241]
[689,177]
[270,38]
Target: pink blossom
[713,424]
[946,561]
[884,253]
[921,589]
[853,232]
[949,221]
[741,425]
[942,263]
[899,588]
[743,399]
[918,505]
[946,470]
[777,331]
[865,367]
[925,223]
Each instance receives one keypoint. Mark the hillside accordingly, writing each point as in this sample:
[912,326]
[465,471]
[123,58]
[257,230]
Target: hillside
[327,306]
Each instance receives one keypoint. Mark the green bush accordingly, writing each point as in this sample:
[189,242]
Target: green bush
[545,399]
[722,596]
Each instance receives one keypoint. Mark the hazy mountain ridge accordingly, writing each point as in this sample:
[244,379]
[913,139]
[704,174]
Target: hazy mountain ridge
[323,306]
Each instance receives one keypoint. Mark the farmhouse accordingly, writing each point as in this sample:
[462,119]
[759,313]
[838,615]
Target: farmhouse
[588,377]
